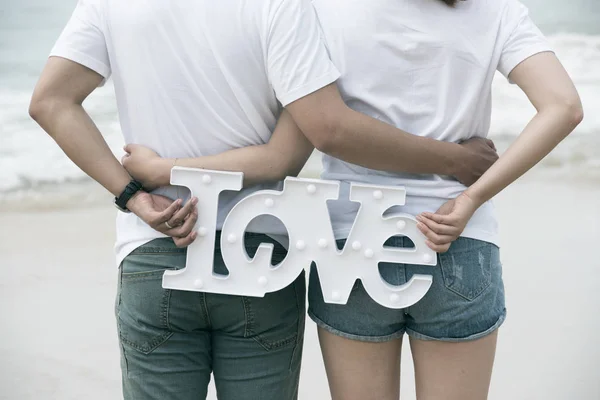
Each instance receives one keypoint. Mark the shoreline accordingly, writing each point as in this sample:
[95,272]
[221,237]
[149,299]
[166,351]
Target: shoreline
[85,193]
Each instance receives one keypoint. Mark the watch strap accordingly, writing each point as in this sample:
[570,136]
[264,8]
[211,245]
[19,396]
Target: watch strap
[132,188]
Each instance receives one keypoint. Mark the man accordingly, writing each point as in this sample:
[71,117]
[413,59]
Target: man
[196,78]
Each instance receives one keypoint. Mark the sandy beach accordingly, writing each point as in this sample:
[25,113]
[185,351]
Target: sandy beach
[58,338]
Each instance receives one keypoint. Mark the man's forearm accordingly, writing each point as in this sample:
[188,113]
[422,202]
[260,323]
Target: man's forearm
[335,129]
[77,135]
[365,141]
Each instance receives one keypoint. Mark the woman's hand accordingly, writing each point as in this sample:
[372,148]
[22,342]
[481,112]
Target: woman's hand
[147,166]
[446,225]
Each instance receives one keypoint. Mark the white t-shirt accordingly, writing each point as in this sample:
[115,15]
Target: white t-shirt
[426,68]
[198,77]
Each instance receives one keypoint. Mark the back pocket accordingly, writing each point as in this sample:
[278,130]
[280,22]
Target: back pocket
[277,320]
[467,267]
[142,303]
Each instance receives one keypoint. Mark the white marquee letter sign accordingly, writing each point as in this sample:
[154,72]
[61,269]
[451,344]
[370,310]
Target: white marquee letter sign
[302,208]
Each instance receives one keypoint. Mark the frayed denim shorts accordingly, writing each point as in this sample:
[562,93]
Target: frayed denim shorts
[465,301]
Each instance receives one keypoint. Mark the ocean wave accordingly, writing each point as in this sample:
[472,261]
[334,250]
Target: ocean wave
[31,162]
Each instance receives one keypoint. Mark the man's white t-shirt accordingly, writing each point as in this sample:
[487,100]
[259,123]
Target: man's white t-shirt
[198,77]
[426,68]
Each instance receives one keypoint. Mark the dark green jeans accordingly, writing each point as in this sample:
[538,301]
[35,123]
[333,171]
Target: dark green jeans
[171,341]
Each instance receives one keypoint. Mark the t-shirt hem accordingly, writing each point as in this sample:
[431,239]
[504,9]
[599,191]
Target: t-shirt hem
[123,251]
[83,59]
[521,56]
[331,76]
[477,234]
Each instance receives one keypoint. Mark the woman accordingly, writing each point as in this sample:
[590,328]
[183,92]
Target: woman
[426,66]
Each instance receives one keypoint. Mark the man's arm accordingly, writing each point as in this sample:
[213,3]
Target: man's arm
[335,129]
[284,155]
[302,76]
[56,105]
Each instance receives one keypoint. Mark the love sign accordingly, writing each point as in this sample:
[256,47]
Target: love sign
[302,208]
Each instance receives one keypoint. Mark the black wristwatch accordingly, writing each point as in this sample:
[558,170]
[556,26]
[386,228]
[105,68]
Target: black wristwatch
[132,188]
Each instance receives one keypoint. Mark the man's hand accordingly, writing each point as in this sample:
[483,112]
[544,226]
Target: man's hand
[480,155]
[147,166]
[167,216]
[446,225]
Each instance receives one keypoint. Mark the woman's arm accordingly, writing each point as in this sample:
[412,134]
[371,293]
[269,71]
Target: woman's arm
[284,155]
[559,111]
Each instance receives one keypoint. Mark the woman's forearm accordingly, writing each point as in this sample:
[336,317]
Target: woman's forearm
[258,163]
[545,131]
[559,111]
[284,155]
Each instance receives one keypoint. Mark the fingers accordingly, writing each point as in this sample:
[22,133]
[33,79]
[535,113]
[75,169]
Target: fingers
[438,228]
[180,216]
[186,241]
[185,235]
[187,227]
[438,218]
[438,248]
[158,221]
[491,144]
[439,236]
[435,237]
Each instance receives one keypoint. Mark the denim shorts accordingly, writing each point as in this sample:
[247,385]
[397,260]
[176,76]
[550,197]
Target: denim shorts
[173,341]
[465,301]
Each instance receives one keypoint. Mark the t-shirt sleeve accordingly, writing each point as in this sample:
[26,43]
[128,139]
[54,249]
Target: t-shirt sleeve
[83,40]
[522,40]
[297,59]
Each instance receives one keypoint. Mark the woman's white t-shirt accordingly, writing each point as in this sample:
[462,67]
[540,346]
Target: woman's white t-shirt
[426,68]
